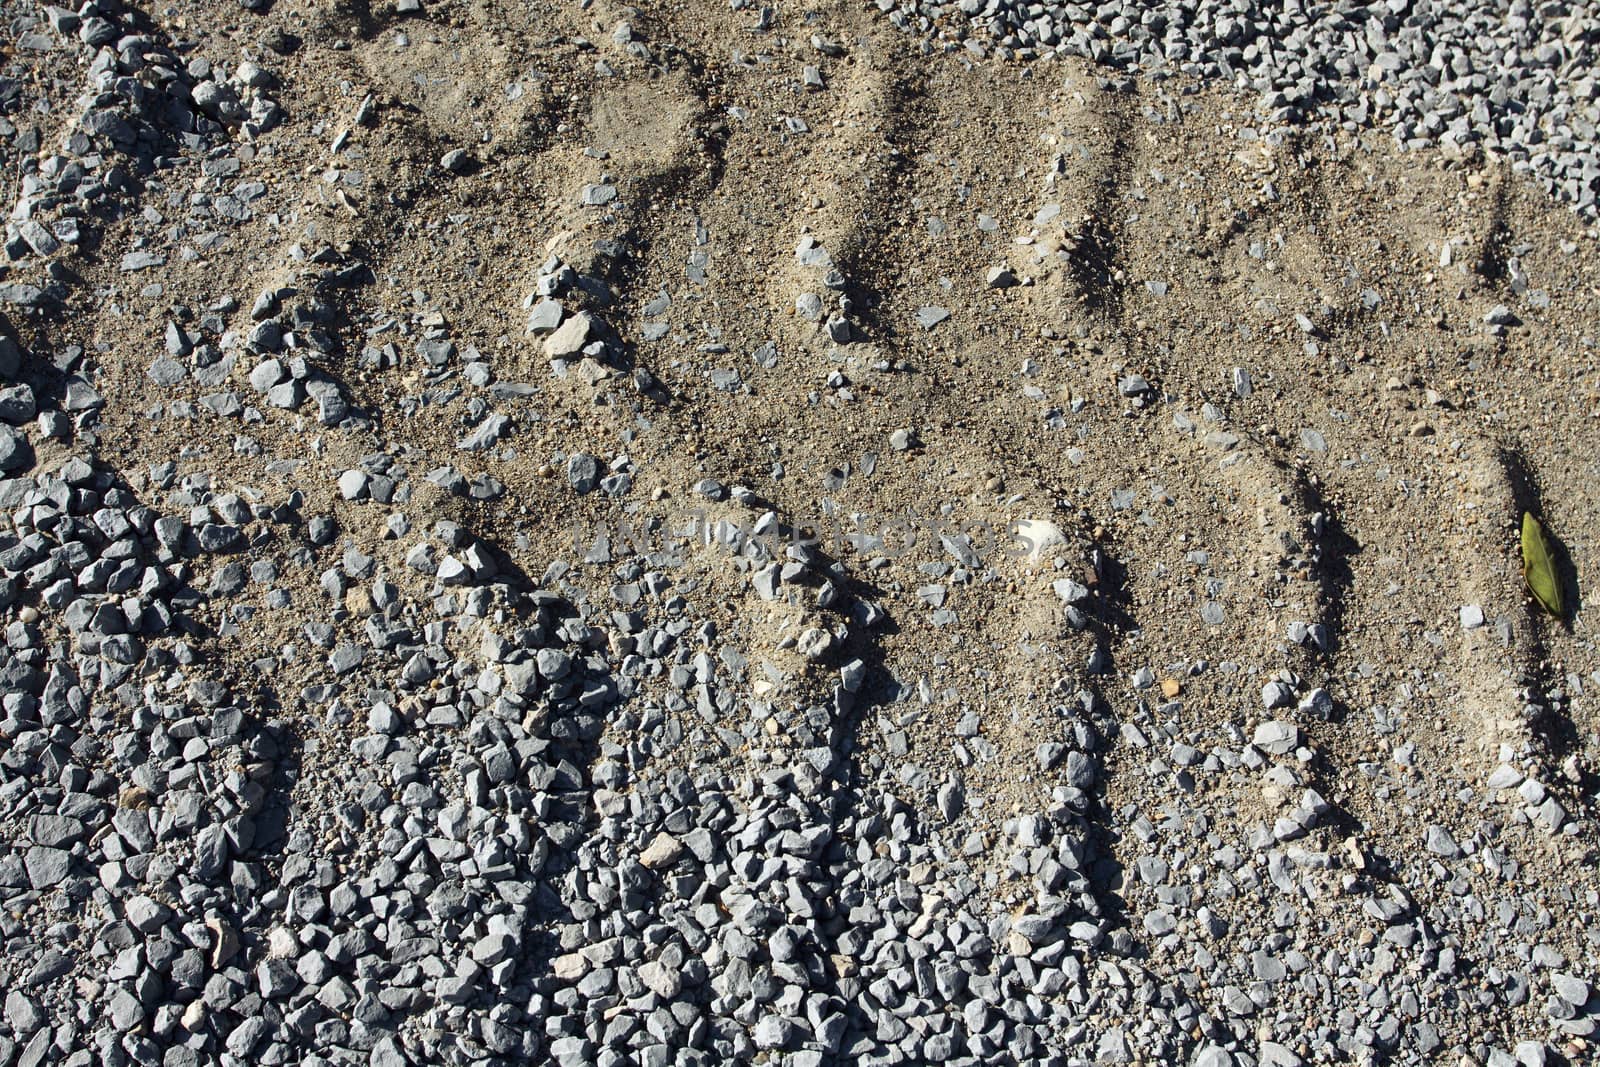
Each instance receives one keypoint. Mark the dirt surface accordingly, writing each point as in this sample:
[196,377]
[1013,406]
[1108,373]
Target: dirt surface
[1436,433]
[1370,479]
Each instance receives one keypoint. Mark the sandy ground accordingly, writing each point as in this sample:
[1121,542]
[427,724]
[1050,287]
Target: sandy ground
[918,176]
[1369,480]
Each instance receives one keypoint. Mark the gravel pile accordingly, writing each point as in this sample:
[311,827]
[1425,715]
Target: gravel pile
[504,852]
[1514,79]
[342,771]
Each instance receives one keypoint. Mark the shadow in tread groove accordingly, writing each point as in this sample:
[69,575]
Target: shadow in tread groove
[1096,261]
[1554,729]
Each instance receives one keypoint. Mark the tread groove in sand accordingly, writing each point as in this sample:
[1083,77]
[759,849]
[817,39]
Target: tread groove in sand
[561,795]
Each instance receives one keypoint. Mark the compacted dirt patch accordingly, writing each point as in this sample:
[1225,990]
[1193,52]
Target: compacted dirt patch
[705,533]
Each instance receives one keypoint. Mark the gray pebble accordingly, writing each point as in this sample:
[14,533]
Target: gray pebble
[15,452]
[1440,842]
[1276,738]
[583,472]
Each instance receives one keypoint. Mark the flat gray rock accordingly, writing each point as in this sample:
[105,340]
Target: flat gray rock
[1276,738]
[47,867]
[545,316]
[1440,842]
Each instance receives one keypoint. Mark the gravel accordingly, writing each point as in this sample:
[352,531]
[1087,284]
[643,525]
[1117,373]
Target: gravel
[1504,77]
[322,743]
